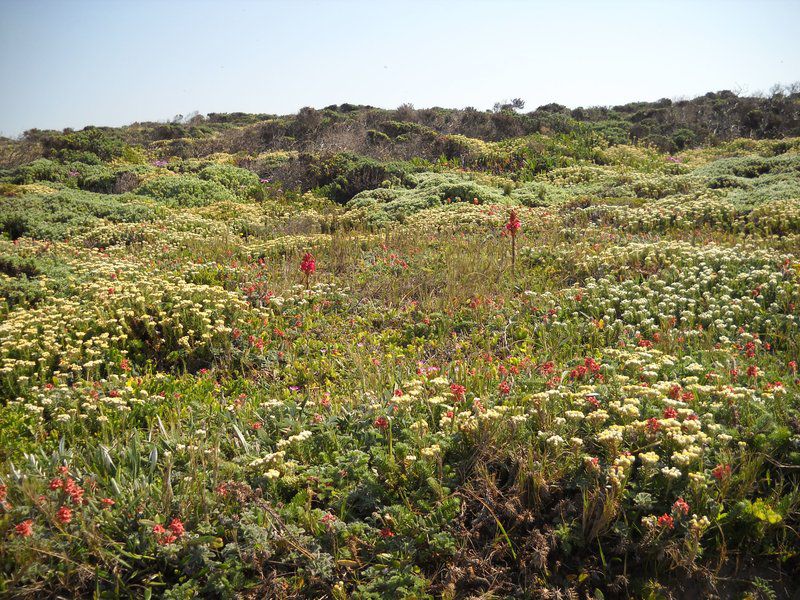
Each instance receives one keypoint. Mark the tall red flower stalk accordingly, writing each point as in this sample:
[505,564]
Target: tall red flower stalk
[512,227]
[308,266]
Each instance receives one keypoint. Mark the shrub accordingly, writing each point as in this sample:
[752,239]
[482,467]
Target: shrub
[185,190]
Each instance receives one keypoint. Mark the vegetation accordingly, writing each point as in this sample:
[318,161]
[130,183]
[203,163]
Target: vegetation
[357,353]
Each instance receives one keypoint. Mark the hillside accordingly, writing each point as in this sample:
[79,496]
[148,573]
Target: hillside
[367,353]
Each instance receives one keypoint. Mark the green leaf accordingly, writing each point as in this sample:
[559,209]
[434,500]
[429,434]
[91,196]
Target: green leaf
[764,512]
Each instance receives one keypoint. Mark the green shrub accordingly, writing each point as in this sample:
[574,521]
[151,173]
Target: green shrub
[232,178]
[58,216]
[185,190]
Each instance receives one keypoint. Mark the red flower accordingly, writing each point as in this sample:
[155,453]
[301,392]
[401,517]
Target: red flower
[670,413]
[25,528]
[308,264]
[74,490]
[666,521]
[721,472]
[3,492]
[504,388]
[107,502]
[56,483]
[177,528]
[64,515]
[125,365]
[458,391]
[328,519]
[513,224]
[681,507]
[158,529]
[387,533]
[256,425]
[381,423]
[653,425]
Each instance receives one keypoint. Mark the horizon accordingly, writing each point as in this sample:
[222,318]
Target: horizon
[149,61]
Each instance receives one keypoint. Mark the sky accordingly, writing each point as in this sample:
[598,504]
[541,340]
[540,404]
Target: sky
[72,63]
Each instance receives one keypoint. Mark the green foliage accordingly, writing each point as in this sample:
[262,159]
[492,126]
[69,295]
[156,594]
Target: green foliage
[90,145]
[68,213]
[185,191]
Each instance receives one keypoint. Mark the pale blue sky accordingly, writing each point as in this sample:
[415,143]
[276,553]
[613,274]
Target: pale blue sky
[73,63]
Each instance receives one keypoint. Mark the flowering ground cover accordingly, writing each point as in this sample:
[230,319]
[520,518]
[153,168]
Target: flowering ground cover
[479,380]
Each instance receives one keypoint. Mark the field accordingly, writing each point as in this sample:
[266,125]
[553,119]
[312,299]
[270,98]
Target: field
[548,366]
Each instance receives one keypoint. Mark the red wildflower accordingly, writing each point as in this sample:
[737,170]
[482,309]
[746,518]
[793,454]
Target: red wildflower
[666,521]
[681,507]
[309,264]
[459,392]
[513,224]
[74,490]
[670,413]
[504,387]
[64,515]
[721,472]
[381,423]
[328,519]
[653,425]
[107,502]
[177,528]
[387,533]
[25,528]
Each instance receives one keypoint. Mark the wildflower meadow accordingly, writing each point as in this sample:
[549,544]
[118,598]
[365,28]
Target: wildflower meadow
[556,365]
